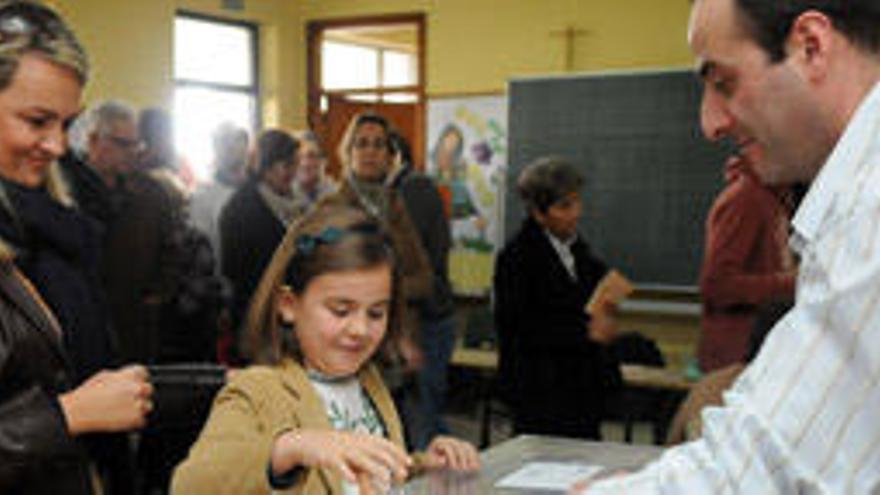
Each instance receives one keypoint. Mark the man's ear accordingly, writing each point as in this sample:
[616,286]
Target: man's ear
[285,302]
[92,140]
[539,216]
[810,43]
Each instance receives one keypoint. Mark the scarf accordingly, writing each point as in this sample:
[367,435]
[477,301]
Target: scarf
[373,195]
[285,208]
[58,249]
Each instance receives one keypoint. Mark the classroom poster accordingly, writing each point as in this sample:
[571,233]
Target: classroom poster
[467,156]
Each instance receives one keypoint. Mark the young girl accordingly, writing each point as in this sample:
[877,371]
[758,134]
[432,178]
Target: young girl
[315,417]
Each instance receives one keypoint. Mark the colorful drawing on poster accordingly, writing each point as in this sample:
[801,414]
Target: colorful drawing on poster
[467,139]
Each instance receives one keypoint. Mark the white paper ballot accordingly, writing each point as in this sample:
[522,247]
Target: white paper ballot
[547,476]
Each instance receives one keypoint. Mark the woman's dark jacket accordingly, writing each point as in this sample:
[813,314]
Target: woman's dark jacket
[58,249]
[249,234]
[547,360]
[37,455]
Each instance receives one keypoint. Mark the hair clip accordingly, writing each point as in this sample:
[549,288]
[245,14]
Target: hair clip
[307,243]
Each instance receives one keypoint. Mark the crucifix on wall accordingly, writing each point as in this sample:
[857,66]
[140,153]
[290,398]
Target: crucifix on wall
[570,35]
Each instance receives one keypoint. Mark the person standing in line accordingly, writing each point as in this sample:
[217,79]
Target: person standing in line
[231,145]
[367,153]
[310,183]
[254,219]
[437,312]
[746,263]
[138,217]
[53,330]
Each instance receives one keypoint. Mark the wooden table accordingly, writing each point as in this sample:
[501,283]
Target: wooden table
[663,387]
[633,374]
[507,457]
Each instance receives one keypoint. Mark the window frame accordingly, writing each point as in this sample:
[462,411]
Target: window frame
[254,89]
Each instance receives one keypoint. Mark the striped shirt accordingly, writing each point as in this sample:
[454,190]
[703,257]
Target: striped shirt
[803,417]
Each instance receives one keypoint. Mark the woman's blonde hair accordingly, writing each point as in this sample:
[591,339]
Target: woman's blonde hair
[31,28]
[332,237]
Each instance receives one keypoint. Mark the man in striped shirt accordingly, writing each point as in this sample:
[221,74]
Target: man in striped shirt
[794,83]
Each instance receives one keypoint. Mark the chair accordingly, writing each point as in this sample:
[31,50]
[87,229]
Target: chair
[182,400]
[635,404]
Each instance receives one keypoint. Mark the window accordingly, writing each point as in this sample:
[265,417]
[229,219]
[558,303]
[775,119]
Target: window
[351,66]
[348,66]
[370,63]
[215,81]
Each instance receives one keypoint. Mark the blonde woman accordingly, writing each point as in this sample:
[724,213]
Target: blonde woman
[43,414]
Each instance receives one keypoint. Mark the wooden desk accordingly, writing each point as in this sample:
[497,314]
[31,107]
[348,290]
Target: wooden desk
[483,359]
[645,387]
[507,457]
[634,375]
[670,316]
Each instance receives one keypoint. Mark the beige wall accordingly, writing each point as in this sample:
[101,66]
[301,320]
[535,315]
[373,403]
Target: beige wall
[279,53]
[477,45]
[131,44]
[473,45]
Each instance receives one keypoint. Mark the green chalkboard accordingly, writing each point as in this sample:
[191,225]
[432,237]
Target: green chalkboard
[651,176]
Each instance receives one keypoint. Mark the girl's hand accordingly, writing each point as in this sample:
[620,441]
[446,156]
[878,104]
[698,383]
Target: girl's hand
[451,453]
[352,455]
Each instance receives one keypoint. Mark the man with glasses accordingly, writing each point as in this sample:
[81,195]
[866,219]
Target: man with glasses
[138,260]
[795,85]
[113,142]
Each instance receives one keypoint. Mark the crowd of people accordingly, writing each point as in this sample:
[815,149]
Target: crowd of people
[329,300]
[114,261]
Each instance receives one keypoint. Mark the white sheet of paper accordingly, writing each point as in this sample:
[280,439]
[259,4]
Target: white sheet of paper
[547,476]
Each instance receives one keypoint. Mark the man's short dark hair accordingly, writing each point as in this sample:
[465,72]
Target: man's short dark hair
[275,146]
[546,181]
[769,21]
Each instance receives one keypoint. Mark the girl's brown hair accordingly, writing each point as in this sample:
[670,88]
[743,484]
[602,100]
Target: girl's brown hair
[331,237]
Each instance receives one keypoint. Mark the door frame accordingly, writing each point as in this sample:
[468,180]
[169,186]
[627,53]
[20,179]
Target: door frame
[314,35]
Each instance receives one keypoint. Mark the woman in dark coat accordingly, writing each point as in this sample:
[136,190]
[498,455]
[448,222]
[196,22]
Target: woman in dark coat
[554,368]
[43,412]
[255,218]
